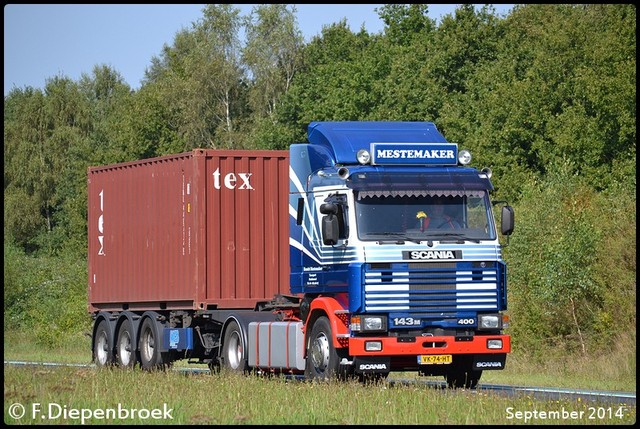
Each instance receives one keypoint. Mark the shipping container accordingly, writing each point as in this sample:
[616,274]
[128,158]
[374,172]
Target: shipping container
[199,230]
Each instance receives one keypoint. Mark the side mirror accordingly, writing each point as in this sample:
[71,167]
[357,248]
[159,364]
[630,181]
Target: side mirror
[330,224]
[330,229]
[507,222]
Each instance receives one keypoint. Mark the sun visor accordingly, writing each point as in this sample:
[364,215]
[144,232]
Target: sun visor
[442,181]
[420,193]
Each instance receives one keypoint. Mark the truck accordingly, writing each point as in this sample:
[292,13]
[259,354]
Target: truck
[324,261]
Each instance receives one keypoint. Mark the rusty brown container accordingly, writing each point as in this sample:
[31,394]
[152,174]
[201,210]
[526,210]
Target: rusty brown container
[198,230]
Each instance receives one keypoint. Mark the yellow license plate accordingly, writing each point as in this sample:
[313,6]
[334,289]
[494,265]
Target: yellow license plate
[435,359]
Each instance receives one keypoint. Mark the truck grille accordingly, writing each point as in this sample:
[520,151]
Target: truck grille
[432,288]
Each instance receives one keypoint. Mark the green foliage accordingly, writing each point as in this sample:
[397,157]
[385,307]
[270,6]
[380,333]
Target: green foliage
[615,267]
[338,79]
[42,133]
[45,295]
[543,99]
[403,22]
[199,82]
[562,293]
[278,136]
[272,55]
[22,220]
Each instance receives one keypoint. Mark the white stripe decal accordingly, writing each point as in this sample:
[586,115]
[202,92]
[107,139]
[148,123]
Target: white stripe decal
[468,307]
[386,287]
[386,308]
[294,178]
[476,286]
[392,301]
[460,294]
[386,295]
[300,247]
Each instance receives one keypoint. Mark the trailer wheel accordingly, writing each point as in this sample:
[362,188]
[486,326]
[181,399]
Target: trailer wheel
[323,361]
[233,351]
[125,349]
[467,379]
[102,350]
[150,356]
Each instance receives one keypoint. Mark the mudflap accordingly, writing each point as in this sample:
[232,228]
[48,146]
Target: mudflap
[489,361]
[372,365]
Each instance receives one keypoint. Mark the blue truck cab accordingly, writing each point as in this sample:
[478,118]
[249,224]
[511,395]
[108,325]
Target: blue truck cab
[395,250]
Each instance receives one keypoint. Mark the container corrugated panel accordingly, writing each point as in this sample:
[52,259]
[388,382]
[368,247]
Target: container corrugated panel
[198,230]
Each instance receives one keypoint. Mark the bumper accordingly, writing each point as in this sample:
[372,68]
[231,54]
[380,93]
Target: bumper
[414,346]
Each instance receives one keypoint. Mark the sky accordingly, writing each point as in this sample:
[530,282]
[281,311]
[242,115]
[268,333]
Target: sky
[42,41]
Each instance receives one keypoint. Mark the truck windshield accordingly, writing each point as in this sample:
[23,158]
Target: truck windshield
[422,215]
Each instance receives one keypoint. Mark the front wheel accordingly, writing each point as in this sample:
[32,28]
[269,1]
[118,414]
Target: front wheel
[459,378]
[323,360]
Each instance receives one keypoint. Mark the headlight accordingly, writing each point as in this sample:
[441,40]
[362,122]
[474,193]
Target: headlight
[489,321]
[363,156]
[373,324]
[366,323]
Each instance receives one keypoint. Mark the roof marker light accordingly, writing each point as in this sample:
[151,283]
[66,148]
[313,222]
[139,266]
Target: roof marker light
[363,156]
[464,157]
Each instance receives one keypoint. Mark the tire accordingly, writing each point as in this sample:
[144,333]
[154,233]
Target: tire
[125,348]
[467,379]
[102,348]
[234,357]
[149,345]
[372,378]
[323,361]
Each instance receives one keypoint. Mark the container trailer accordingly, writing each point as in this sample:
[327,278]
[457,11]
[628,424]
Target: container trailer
[328,260]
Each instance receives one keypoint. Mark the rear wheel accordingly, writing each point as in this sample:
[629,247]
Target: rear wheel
[150,356]
[102,349]
[233,351]
[125,349]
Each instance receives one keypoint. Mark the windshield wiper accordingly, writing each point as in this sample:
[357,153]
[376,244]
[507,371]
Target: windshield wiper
[396,234]
[461,237]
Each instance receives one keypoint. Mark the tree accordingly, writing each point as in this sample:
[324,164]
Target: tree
[337,82]
[40,131]
[272,54]
[561,287]
[201,80]
[541,97]
[404,22]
